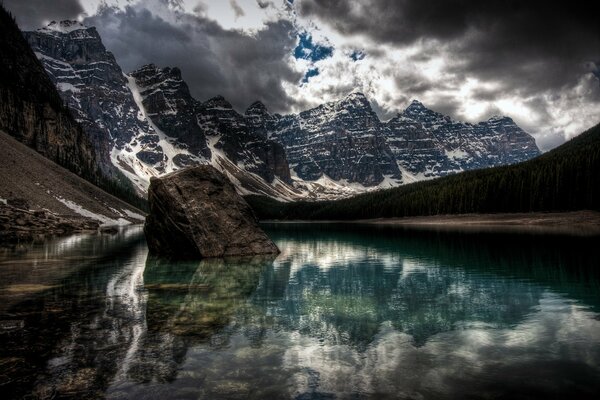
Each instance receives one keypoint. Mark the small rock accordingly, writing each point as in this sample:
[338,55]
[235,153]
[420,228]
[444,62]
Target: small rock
[109,230]
[18,203]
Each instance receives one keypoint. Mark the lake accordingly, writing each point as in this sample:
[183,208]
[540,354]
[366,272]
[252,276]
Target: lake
[345,311]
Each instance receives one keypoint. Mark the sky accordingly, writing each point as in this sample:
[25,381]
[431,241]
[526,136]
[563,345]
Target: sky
[535,61]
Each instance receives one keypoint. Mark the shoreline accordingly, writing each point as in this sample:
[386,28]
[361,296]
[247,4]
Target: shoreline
[584,223]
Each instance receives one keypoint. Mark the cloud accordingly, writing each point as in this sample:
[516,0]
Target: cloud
[33,14]
[240,66]
[533,60]
[534,45]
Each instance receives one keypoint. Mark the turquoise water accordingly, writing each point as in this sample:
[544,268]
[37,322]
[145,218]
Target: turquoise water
[346,311]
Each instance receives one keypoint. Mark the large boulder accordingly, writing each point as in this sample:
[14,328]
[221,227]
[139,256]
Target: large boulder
[196,213]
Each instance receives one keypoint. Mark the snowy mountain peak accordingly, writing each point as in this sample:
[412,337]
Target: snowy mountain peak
[416,105]
[147,68]
[501,118]
[217,102]
[356,95]
[356,99]
[417,111]
[257,109]
[66,26]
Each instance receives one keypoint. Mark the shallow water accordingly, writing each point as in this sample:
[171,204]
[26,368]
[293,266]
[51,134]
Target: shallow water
[346,311]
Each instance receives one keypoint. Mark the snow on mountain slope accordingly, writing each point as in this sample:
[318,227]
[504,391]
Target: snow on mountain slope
[28,175]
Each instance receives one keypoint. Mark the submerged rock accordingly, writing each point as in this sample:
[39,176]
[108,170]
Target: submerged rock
[196,213]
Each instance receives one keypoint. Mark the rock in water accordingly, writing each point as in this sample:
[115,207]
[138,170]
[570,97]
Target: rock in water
[196,212]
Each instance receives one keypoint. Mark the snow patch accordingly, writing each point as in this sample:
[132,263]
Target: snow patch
[134,215]
[126,160]
[105,221]
[67,87]
[456,154]
[63,26]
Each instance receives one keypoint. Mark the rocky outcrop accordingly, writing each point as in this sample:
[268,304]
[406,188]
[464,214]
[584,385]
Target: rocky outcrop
[196,213]
[428,144]
[20,225]
[343,140]
[346,141]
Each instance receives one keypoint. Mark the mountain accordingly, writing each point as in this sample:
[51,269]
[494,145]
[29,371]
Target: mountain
[428,144]
[343,140]
[91,83]
[49,163]
[32,111]
[147,123]
[564,179]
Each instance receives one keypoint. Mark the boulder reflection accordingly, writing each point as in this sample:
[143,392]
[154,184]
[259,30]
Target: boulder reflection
[189,303]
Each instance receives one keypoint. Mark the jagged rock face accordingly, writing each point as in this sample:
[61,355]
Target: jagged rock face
[416,150]
[343,140]
[169,104]
[92,84]
[197,213]
[199,126]
[240,143]
[429,144]
[32,111]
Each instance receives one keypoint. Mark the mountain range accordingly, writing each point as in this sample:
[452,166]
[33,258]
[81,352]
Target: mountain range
[146,123]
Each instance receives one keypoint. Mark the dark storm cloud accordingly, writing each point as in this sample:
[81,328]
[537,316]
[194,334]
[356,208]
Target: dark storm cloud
[33,14]
[526,46]
[213,61]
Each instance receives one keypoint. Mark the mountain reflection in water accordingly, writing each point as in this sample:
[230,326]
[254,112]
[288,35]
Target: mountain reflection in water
[346,311]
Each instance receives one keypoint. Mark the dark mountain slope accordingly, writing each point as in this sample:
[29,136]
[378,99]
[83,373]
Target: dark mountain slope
[565,179]
[31,110]
[25,174]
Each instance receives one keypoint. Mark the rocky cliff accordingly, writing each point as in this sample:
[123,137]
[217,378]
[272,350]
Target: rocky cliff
[428,144]
[346,141]
[33,112]
[93,86]
[343,140]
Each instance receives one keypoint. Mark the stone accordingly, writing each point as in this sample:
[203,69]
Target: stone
[18,202]
[196,213]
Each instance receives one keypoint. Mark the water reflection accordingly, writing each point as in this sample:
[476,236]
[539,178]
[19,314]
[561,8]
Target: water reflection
[344,312]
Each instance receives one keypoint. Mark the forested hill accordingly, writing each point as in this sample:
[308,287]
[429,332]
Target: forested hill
[564,179]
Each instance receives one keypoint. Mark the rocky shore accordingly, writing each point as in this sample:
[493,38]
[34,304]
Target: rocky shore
[18,224]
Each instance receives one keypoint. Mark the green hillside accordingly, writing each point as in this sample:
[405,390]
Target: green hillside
[564,179]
